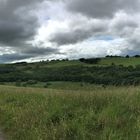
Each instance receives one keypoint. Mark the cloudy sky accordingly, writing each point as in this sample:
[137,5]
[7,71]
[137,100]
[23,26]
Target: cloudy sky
[33,30]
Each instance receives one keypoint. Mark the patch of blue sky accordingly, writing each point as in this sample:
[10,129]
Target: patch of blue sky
[103,37]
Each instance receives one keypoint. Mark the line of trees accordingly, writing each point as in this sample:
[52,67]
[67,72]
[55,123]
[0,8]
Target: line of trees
[90,60]
[111,75]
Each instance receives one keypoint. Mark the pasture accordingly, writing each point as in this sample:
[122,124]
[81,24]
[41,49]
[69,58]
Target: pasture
[55,114]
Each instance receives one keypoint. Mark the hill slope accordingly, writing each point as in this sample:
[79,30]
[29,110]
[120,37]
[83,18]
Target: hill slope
[106,71]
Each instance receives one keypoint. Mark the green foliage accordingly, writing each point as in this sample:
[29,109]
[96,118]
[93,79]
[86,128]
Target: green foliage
[90,60]
[18,84]
[47,85]
[102,114]
[108,71]
[31,82]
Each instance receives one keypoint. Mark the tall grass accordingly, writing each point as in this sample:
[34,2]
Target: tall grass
[49,114]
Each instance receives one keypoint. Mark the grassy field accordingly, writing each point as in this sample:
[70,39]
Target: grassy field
[59,85]
[110,113]
[104,62]
[132,61]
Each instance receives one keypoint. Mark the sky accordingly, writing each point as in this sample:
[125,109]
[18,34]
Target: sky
[35,30]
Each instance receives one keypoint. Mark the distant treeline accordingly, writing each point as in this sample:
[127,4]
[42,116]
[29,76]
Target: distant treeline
[90,60]
[85,60]
[127,56]
[110,75]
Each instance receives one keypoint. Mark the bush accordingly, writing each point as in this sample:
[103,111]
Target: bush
[18,83]
[24,84]
[31,82]
[47,85]
[90,60]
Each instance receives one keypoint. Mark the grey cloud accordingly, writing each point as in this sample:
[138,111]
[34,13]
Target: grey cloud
[64,38]
[78,34]
[6,58]
[123,25]
[132,42]
[34,51]
[28,53]
[17,21]
[118,23]
[101,8]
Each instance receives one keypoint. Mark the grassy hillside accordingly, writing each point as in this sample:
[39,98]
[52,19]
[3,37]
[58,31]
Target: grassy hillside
[132,61]
[116,71]
[49,114]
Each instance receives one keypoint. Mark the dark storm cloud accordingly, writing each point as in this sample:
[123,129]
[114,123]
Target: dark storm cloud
[31,52]
[17,21]
[5,58]
[101,8]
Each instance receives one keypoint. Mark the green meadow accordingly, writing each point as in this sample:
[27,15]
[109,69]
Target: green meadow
[110,113]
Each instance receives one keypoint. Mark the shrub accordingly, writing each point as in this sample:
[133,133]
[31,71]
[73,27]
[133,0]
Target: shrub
[47,85]
[31,82]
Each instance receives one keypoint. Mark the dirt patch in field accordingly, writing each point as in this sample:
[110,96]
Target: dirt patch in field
[1,136]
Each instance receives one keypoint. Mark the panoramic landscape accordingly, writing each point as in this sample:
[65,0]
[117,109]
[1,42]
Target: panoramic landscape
[69,70]
[71,99]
